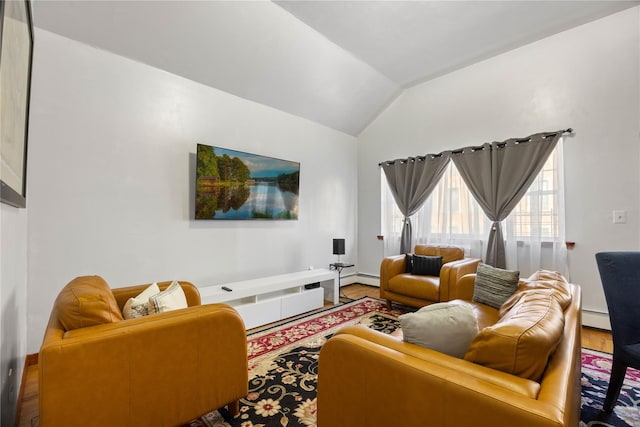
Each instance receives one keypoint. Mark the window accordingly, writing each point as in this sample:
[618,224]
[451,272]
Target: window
[452,216]
[537,214]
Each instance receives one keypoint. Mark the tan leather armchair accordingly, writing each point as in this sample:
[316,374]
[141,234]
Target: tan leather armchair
[159,370]
[416,290]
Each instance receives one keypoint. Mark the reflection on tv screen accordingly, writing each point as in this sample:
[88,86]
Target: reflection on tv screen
[232,184]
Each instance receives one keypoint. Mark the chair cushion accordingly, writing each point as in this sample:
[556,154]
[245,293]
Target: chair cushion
[408,263]
[426,265]
[138,306]
[448,253]
[86,301]
[493,286]
[172,298]
[447,327]
[521,342]
[422,287]
[544,279]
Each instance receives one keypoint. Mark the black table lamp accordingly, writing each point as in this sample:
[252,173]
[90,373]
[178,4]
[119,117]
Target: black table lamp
[338,247]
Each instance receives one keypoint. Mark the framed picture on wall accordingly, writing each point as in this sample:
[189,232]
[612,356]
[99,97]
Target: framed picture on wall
[16,55]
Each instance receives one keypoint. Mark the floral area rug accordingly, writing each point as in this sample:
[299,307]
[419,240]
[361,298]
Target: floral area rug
[283,362]
[596,369]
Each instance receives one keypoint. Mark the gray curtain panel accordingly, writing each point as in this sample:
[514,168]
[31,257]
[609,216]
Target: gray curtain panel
[411,181]
[498,174]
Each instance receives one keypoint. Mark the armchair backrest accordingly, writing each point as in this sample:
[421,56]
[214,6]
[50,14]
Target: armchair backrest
[448,253]
[88,301]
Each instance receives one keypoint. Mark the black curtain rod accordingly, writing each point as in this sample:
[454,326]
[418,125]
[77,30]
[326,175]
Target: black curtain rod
[460,150]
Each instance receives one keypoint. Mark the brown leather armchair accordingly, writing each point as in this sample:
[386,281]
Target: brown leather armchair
[159,370]
[416,290]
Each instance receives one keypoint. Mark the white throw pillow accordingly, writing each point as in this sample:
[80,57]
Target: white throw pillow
[447,327]
[172,298]
[139,305]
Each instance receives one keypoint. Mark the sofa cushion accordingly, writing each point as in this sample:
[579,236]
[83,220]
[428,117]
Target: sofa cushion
[421,287]
[138,306]
[544,279]
[448,253]
[521,342]
[86,301]
[424,265]
[493,286]
[447,327]
[172,298]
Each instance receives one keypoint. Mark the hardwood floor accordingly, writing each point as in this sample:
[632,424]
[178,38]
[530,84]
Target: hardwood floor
[594,339]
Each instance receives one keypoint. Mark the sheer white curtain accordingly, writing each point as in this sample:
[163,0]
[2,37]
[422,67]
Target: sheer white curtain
[451,216]
[534,232]
[391,219]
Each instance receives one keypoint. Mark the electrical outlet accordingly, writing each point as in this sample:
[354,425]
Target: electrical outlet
[619,217]
[11,394]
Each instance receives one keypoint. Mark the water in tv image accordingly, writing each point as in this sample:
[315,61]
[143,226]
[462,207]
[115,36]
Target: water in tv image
[236,185]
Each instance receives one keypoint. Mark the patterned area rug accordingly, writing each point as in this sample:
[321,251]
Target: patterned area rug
[596,369]
[283,363]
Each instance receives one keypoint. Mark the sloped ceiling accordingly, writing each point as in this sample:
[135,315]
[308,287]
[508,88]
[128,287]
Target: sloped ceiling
[338,63]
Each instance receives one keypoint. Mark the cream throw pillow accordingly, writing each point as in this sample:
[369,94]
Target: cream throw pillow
[139,305]
[172,298]
[447,327]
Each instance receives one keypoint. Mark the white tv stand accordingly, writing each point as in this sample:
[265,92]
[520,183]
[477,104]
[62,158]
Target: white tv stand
[268,299]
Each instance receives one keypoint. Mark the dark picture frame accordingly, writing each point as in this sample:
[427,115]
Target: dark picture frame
[16,58]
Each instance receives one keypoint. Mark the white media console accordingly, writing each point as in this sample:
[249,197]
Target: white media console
[268,299]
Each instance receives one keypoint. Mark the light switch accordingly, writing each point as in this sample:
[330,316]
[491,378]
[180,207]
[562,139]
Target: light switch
[619,217]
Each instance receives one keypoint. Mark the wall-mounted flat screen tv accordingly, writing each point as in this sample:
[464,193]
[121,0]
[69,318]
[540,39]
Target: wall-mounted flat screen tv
[232,184]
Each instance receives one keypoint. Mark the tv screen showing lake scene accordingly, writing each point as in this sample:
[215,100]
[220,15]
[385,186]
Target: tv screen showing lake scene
[232,184]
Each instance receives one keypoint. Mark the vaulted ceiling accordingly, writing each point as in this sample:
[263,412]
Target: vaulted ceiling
[338,63]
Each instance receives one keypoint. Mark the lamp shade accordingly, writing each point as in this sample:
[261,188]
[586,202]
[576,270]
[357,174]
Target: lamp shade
[338,246]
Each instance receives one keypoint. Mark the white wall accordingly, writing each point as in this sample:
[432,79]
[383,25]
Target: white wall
[13,306]
[111,179]
[586,78]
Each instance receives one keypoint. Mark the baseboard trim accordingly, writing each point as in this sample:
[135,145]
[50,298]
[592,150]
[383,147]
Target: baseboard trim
[364,279]
[596,319]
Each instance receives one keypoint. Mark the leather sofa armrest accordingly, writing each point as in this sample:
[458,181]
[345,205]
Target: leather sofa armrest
[463,287]
[390,267]
[133,362]
[123,294]
[451,272]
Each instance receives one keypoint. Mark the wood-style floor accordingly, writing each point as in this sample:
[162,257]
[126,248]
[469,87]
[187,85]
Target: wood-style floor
[28,406]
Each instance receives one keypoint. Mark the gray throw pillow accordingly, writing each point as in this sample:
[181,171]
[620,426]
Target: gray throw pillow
[493,286]
[447,327]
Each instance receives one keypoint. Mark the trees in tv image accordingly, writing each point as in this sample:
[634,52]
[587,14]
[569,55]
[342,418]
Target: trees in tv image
[236,185]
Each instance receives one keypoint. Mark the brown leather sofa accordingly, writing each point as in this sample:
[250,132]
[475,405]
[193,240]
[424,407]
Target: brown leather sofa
[370,378]
[160,370]
[417,290]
